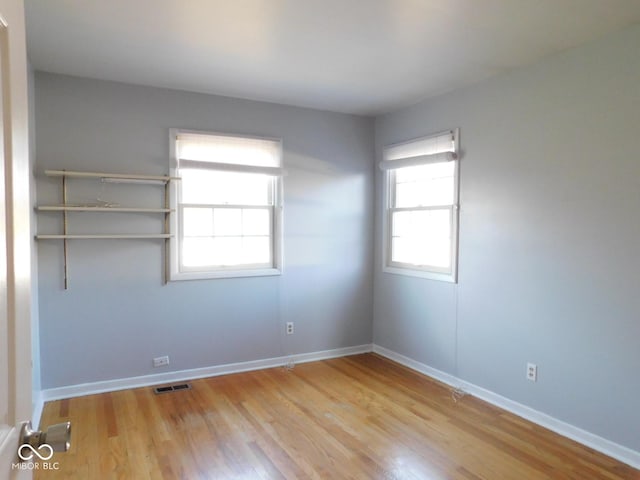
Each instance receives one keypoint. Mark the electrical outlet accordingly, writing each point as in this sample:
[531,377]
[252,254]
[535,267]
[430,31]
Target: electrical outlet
[289,328]
[532,372]
[161,361]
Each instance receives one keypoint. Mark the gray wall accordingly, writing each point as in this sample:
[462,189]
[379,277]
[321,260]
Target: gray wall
[549,234]
[117,315]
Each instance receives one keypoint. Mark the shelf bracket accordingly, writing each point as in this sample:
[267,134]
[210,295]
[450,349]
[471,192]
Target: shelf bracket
[65,232]
[167,227]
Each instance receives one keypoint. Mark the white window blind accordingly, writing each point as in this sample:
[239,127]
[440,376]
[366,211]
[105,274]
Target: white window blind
[436,149]
[227,152]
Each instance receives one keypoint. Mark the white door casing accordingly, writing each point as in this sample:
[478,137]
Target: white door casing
[15,238]
[7,433]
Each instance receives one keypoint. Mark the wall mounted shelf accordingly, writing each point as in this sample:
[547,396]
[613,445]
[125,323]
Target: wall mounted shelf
[88,237]
[115,176]
[71,208]
[139,180]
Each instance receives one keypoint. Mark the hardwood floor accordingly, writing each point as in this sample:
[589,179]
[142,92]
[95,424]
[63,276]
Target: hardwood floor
[359,417]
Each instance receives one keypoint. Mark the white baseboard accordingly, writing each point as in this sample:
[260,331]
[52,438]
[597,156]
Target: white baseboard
[71,391]
[612,449]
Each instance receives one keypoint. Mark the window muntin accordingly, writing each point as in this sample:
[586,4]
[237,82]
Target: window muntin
[228,212]
[421,222]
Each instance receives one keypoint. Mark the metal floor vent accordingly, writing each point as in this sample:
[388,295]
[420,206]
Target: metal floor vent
[172,388]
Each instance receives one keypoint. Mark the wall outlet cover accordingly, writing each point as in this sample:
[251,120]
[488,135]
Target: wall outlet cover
[161,361]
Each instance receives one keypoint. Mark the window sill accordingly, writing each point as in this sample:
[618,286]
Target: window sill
[408,272]
[261,272]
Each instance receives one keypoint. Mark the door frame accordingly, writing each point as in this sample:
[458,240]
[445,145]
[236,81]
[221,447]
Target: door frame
[15,266]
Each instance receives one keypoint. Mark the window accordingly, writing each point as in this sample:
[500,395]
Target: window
[227,205]
[421,222]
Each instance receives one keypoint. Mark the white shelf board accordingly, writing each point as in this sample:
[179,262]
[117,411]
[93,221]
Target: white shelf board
[99,236]
[70,208]
[71,173]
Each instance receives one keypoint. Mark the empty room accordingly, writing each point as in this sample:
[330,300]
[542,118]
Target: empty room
[359,239]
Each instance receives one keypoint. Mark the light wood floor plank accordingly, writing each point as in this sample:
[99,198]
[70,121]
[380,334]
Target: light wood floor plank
[359,417]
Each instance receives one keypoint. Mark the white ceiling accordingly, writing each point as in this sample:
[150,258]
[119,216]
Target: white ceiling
[355,56]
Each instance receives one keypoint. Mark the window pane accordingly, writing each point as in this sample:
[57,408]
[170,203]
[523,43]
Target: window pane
[227,251]
[430,223]
[255,221]
[227,222]
[403,250]
[251,189]
[424,185]
[440,191]
[437,253]
[225,188]
[422,223]
[197,222]
[256,250]
[197,252]
[401,224]
[440,224]
[425,172]
[409,195]
[422,237]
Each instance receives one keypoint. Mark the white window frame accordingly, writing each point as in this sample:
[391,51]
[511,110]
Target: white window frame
[429,272]
[179,272]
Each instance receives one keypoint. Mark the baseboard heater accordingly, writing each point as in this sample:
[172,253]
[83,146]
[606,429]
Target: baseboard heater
[172,388]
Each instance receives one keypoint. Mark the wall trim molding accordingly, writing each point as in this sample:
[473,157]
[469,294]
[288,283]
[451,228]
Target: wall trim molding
[70,391]
[602,445]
